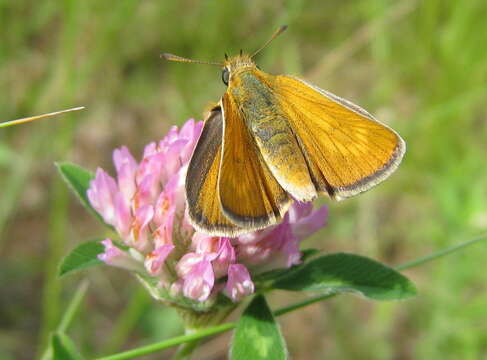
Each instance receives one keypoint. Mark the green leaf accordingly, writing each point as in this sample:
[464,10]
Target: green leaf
[257,335]
[307,254]
[82,257]
[263,281]
[63,348]
[78,180]
[348,273]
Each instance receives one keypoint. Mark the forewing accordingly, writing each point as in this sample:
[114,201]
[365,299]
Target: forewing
[346,149]
[202,181]
[249,195]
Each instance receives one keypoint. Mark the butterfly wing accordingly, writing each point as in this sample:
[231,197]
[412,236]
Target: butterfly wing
[250,196]
[346,149]
[202,180]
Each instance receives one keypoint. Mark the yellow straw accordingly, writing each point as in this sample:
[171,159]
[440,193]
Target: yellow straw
[37,117]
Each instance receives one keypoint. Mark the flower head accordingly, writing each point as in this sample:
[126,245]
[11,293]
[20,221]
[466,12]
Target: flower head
[146,206]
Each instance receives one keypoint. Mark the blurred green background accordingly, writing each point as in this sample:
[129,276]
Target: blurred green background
[419,66]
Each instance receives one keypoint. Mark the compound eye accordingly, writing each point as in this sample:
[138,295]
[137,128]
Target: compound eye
[225,76]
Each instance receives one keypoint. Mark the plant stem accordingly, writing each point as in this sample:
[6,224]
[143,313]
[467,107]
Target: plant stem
[191,340]
[170,342]
[73,307]
[36,117]
[440,253]
[303,303]
[185,350]
[69,314]
[194,337]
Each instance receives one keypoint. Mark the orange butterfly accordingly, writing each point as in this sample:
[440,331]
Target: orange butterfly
[275,139]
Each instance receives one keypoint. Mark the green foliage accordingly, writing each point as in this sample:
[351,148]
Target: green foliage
[347,273]
[82,257]
[78,180]
[423,72]
[63,348]
[263,281]
[257,335]
[307,254]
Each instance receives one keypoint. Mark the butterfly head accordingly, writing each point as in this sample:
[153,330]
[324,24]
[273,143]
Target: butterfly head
[231,65]
[235,64]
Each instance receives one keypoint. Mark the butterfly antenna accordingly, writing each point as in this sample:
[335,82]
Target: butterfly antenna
[37,117]
[278,32]
[172,57]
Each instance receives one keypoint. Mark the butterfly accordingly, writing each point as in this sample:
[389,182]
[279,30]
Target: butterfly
[272,140]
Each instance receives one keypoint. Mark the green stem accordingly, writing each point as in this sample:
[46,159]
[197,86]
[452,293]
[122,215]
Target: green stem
[185,350]
[303,303]
[214,330]
[441,253]
[73,307]
[144,350]
[69,315]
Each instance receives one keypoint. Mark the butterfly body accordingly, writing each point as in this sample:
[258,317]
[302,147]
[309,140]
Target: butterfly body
[258,106]
[272,140]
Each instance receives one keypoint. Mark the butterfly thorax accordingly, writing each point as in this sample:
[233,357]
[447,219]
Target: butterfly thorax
[254,101]
[249,89]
